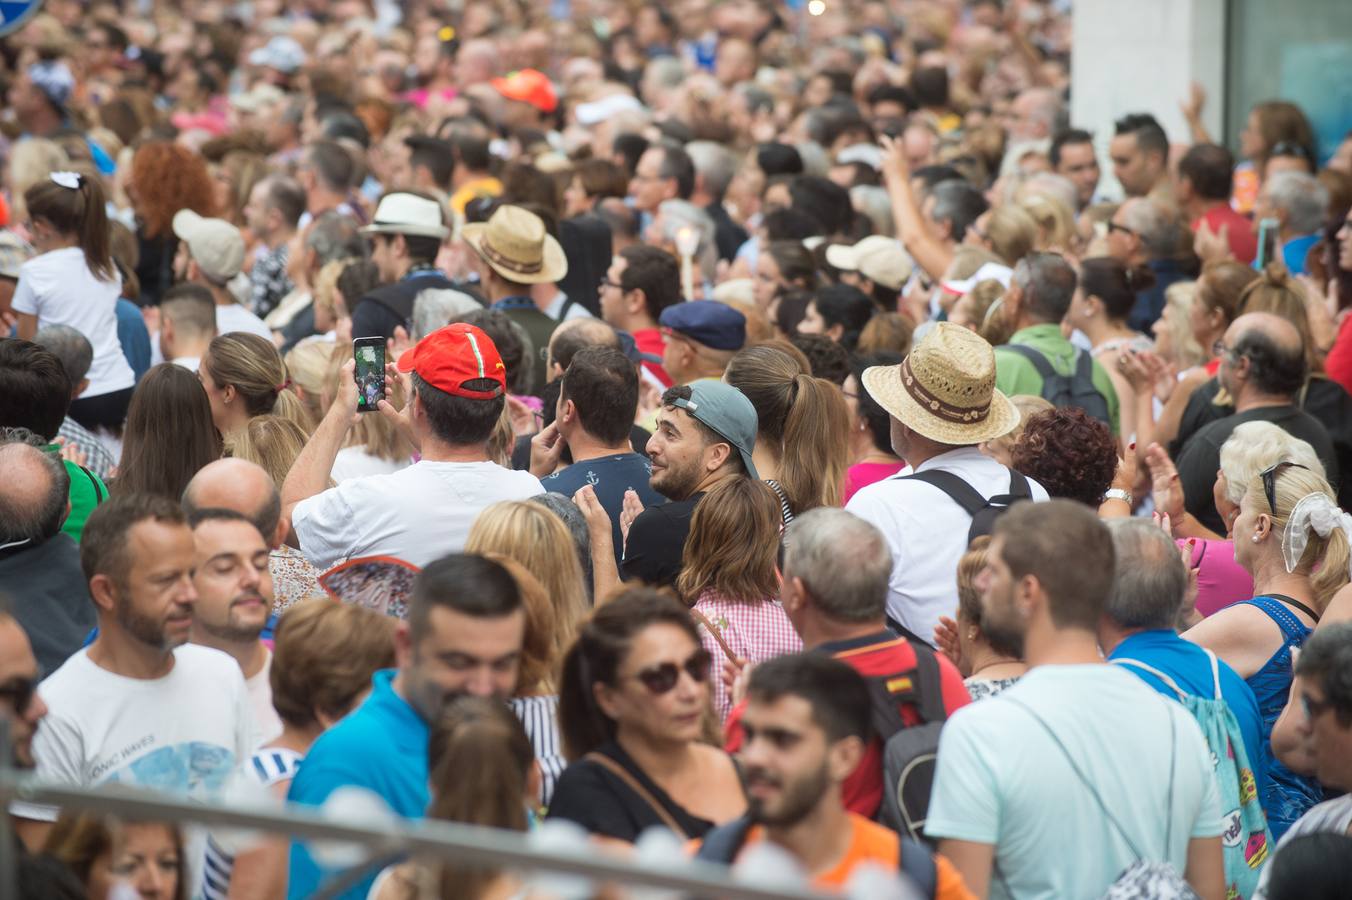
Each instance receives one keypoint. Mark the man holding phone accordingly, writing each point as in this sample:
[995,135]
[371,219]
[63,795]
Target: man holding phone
[456,388]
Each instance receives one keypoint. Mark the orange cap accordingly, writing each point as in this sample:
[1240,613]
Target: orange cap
[529,86]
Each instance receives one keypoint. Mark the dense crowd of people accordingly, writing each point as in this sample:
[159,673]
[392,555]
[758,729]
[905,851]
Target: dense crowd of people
[768,425]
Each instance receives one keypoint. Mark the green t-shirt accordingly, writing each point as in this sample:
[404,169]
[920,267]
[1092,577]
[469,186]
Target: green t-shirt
[1015,374]
[86,492]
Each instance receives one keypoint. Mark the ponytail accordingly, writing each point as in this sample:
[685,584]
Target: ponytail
[73,204]
[815,454]
[1332,574]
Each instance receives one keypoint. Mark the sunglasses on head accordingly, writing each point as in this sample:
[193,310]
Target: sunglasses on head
[19,691]
[662,679]
[1270,482]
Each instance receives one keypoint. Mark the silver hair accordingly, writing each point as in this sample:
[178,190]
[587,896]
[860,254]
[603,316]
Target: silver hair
[436,307]
[1254,447]
[715,164]
[872,202]
[1049,184]
[69,346]
[1150,584]
[816,161]
[565,509]
[25,522]
[844,562]
[335,236]
[1157,226]
[1304,199]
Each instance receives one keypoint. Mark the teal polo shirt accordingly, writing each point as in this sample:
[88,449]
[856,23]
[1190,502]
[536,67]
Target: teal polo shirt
[1015,375]
[382,747]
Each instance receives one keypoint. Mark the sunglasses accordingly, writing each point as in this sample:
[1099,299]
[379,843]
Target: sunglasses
[1270,482]
[662,679]
[1113,226]
[20,692]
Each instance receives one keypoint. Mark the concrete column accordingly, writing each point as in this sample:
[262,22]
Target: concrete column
[1142,56]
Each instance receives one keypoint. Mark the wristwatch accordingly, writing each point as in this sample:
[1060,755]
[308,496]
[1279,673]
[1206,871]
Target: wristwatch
[1118,494]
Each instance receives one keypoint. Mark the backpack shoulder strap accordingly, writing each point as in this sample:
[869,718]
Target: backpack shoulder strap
[1215,673]
[722,844]
[98,488]
[1084,365]
[918,864]
[1036,357]
[929,684]
[959,491]
[1018,486]
[1146,667]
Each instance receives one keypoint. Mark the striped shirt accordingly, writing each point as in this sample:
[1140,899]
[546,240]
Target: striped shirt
[540,718]
[266,767]
[752,631]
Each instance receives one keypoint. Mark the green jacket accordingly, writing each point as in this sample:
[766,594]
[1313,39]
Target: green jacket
[1015,375]
[87,491]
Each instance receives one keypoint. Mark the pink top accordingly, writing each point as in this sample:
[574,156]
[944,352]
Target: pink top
[865,473]
[753,631]
[1220,580]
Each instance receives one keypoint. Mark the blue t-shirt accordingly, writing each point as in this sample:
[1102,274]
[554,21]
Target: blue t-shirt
[1295,250]
[1188,665]
[132,334]
[382,746]
[610,477]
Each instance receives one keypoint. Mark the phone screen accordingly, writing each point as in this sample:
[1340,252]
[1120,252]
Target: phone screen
[370,372]
[1267,241]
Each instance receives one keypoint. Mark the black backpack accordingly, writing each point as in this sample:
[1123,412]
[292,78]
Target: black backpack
[984,511]
[722,844]
[1075,389]
[910,752]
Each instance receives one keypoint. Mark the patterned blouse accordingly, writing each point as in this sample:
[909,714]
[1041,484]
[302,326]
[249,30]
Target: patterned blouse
[753,631]
[293,579]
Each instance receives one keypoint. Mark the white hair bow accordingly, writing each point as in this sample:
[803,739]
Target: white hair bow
[67,179]
[1315,512]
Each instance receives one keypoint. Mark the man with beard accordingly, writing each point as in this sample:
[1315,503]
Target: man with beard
[466,622]
[234,599]
[140,705]
[1079,753]
[808,721]
[705,433]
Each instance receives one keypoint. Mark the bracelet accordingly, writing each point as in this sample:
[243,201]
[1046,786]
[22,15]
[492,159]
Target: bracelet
[1118,494]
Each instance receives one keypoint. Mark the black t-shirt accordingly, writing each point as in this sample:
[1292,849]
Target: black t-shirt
[656,542]
[594,797]
[1325,400]
[1201,455]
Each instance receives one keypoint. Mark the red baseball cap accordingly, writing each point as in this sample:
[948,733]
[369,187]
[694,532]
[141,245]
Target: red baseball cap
[450,356]
[529,86]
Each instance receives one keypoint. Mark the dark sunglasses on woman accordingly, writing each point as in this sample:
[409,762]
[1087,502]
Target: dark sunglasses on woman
[662,679]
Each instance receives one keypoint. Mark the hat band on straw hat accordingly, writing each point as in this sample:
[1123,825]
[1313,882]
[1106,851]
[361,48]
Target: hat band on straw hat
[947,411]
[492,255]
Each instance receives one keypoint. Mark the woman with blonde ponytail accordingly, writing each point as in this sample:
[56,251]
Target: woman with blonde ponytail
[73,282]
[1293,539]
[244,376]
[801,449]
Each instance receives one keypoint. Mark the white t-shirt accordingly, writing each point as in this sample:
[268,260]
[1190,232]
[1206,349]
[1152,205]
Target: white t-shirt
[418,514]
[59,289]
[1003,780]
[355,462]
[233,317]
[267,723]
[927,533]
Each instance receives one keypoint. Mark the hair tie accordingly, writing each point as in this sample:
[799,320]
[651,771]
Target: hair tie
[283,386]
[69,180]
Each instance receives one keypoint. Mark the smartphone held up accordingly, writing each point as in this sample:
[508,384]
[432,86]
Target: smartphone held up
[369,352]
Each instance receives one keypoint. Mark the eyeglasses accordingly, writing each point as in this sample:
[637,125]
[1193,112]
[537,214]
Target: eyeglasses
[20,692]
[1314,708]
[606,282]
[1114,226]
[1218,349]
[1270,482]
[662,679]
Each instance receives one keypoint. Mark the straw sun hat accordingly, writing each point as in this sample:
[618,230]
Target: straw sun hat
[945,389]
[515,243]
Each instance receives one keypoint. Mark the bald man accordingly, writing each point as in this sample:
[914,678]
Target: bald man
[1263,367]
[39,563]
[246,488]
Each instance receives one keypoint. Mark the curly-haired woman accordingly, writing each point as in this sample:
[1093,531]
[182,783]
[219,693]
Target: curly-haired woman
[1070,453]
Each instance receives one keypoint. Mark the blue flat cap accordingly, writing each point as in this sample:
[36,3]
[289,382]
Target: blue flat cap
[708,322]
